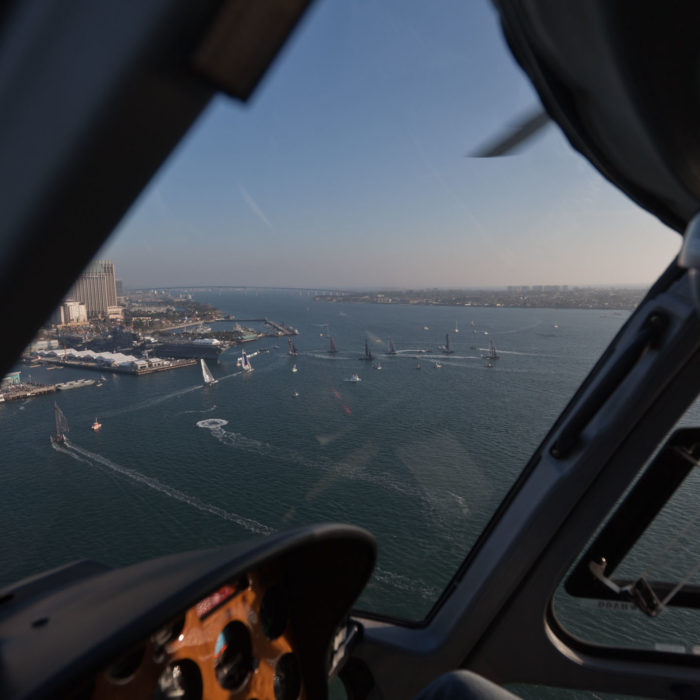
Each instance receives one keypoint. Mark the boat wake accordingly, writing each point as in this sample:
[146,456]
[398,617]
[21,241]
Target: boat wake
[204,410]
[382,576]
[344,468]
[95,459]
[212,423]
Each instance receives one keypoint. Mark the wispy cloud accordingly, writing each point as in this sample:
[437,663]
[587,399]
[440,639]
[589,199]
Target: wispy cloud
[254,206]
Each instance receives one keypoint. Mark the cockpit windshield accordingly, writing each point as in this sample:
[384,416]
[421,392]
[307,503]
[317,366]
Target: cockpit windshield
[324,309]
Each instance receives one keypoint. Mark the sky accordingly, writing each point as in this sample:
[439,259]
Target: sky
[348,168]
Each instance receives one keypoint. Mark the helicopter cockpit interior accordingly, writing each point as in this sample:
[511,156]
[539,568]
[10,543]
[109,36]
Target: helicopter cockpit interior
[583,579]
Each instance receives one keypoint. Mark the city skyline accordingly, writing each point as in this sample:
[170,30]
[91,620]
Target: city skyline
[348,170]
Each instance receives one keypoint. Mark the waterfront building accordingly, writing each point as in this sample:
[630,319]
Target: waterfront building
[96,288]
[69,313]
[13,378]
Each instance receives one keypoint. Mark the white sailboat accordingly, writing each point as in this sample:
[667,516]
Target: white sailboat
[207,376]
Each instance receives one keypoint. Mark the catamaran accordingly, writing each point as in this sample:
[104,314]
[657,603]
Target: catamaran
[206,374]
[61,426]
[446,347]
[244,363]
[392,349]
[491,354]
[367,357]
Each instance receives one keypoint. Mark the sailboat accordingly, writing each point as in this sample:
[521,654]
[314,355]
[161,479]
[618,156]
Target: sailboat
[292,350]
[61,426]
[392,349]
[446,347]
[491,354]
[332,349]
[244,363]
[206,374]
[367,357]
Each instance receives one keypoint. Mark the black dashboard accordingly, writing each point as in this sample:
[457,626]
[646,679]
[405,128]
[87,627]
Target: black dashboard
[255,620]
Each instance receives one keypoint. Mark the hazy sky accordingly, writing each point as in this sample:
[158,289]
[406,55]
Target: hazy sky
[347,169]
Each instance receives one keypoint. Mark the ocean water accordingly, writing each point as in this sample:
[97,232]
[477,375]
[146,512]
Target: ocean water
[420,457]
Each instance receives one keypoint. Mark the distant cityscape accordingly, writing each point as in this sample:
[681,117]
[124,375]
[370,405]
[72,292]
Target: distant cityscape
[535,296]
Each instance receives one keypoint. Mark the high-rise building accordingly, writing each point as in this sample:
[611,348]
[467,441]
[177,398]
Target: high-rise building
[96,288]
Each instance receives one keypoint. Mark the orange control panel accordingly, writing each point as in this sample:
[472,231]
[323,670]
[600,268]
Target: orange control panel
[235,643]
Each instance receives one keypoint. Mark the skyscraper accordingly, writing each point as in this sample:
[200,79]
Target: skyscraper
[96,288]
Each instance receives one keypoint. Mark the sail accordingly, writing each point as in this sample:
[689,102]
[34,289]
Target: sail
[447,342]
[392,349]
[244,362]
[332,349]
[206,373]
[368,354]
[61,421]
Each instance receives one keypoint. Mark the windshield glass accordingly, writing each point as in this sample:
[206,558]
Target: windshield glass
[323,310]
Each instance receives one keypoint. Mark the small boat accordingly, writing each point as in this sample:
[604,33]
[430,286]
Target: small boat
[295,394]
[353,378]
[99,384]
[95,426]
[437,365]
[425,328]
[206,374]
[294,368]
[418,366]
[377,365]
[456,327]
[103,378]
[61,426]
[489,364]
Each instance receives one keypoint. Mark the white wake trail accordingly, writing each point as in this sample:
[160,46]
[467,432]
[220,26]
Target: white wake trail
[153,483]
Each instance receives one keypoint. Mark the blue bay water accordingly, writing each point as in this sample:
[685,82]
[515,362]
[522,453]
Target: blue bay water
[421,458]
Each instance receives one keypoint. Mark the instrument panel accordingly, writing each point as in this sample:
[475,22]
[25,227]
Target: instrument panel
[255,620]
[237,642]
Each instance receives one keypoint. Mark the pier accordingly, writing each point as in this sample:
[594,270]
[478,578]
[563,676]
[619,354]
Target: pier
[26,390]
[279,328]
[162,366]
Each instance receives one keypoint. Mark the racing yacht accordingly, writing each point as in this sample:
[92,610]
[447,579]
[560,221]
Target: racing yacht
[274,616]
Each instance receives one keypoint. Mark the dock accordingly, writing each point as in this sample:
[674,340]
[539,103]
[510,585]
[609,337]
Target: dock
[26,390]
[81,364]
[279,328]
